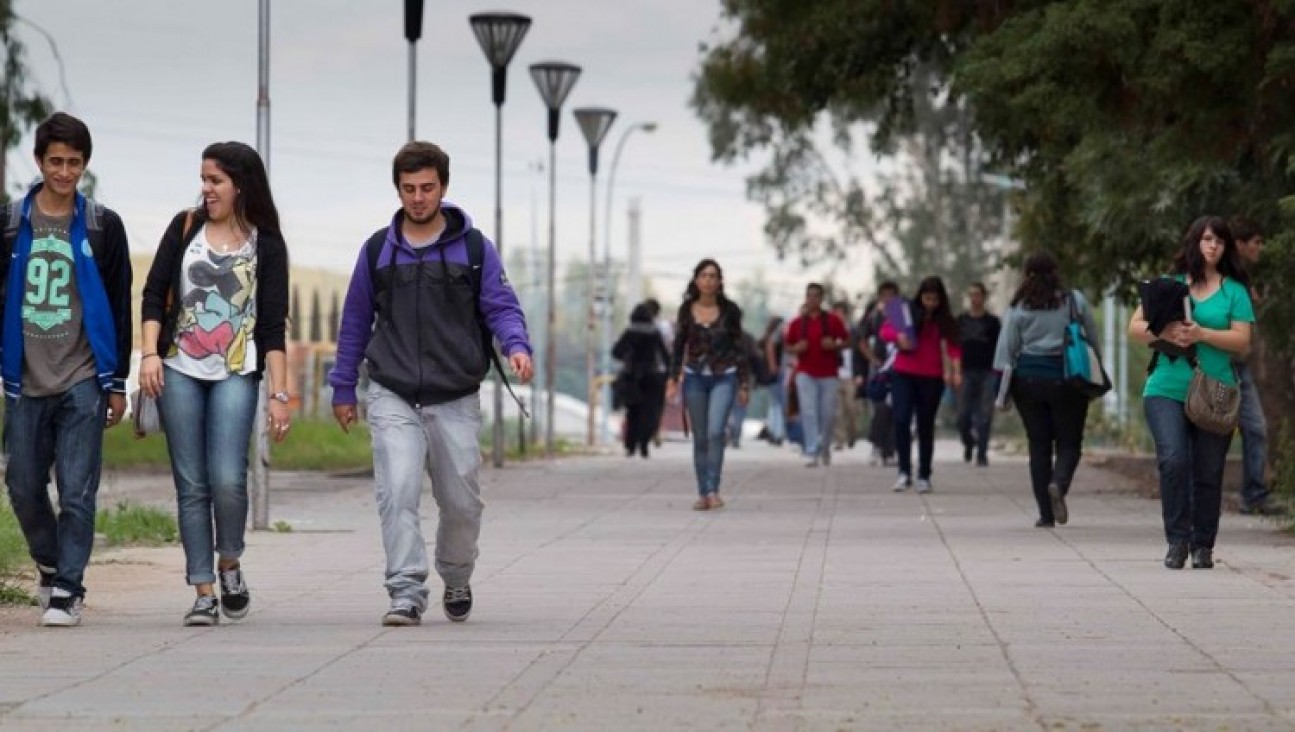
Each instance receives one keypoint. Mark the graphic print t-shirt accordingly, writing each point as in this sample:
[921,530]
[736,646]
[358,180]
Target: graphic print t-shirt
[56,352]
[213,333]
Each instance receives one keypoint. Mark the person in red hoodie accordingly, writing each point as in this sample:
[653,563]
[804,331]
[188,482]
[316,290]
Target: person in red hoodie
[816,337]
[919,376]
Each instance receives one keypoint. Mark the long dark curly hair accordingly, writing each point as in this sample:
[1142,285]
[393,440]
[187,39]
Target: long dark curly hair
[729,313]
[1042,288]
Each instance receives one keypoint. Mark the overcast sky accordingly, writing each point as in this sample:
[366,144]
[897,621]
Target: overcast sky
[157,80]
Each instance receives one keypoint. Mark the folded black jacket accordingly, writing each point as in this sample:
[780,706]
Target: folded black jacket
[1162,304]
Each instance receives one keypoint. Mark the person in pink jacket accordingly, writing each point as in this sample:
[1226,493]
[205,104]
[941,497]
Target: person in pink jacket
[929,358]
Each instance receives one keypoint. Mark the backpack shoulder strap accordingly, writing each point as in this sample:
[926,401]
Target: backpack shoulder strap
[476,246]
[373,250]
[12,219]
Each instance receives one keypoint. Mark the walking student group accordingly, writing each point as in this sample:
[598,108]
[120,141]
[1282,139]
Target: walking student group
[213,332]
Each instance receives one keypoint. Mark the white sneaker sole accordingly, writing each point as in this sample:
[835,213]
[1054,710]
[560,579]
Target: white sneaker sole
[59,619]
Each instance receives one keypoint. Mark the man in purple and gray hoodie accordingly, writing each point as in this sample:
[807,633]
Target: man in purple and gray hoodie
[411,312]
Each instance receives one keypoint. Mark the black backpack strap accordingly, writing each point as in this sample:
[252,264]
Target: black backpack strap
[12,214]
[372,253]
[476,246]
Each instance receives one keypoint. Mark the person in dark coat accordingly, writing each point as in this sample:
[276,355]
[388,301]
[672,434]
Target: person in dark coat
[639,349]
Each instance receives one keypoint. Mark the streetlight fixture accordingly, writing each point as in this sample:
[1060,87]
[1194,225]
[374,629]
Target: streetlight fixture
[413,31]
[499,34]
[606,325]
[554,80]
[594,123]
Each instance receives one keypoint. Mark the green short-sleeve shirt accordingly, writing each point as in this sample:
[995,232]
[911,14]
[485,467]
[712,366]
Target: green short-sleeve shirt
[1229,304]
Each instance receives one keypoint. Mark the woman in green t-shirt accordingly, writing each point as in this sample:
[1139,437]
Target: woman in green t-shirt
[1190,459]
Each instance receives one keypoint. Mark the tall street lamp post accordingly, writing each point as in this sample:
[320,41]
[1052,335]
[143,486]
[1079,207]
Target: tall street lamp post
[594,123]
[554,80]
[606,324]
[413,31]
[500,34]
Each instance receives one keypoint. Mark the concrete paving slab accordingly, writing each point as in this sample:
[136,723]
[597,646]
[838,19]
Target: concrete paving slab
[817,600]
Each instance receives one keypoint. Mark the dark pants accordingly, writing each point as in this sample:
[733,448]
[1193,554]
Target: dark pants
[915,396]
[642,417]
[976,409]
[1054,416]
[881,429]
[1191,473]
[66,432]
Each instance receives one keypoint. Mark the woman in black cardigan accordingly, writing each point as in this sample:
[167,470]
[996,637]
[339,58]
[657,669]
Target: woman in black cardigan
[214,312]
[643,357]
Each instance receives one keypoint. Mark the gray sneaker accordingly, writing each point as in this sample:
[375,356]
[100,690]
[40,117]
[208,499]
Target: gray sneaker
[903,483]
[924,485]
[401,613]
[205,611]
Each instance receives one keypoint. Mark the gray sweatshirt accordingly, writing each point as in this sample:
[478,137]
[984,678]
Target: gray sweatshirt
[1041,332]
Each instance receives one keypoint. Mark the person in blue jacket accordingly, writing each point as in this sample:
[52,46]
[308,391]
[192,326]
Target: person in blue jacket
[65,270]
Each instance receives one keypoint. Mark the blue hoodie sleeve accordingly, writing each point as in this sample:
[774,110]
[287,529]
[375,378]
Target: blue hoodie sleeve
[353,334]
[499,305]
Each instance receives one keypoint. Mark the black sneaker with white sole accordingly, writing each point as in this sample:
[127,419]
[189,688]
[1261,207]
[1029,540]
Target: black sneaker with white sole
[402,612]
[46,587]
[458,603]
[234,597]
[64,610]
[205,611]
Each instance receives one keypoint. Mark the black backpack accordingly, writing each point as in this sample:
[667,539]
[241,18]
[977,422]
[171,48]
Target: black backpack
[476,247]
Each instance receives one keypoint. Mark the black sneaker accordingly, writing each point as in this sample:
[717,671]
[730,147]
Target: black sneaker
[205,611]
[402,612]
[64,610]
[1176,557]
[458,603]
[234,597]
[46,587]
[1266,507]
[1202,558]
[966,453]
[1059,510]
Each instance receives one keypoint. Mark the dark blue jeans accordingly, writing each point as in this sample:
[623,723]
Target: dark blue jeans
[1254,441]
[208,427]
[65,432]
[976,409]
[708,400]
[1191,473]
[915,396]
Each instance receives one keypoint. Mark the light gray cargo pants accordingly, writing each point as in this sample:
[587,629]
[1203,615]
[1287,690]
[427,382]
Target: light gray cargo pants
[441,438]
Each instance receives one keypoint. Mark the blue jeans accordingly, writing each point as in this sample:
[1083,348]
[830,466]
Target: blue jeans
[708,399]
[817,411]
[1191,473]
[915,396]
[64,431]
[775,420]
[1254,441]
[208,426]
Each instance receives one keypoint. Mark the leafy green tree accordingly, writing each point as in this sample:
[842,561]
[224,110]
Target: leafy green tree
[21,106]
[1124,120]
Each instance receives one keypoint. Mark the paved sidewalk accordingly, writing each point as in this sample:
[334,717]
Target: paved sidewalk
[817,600]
